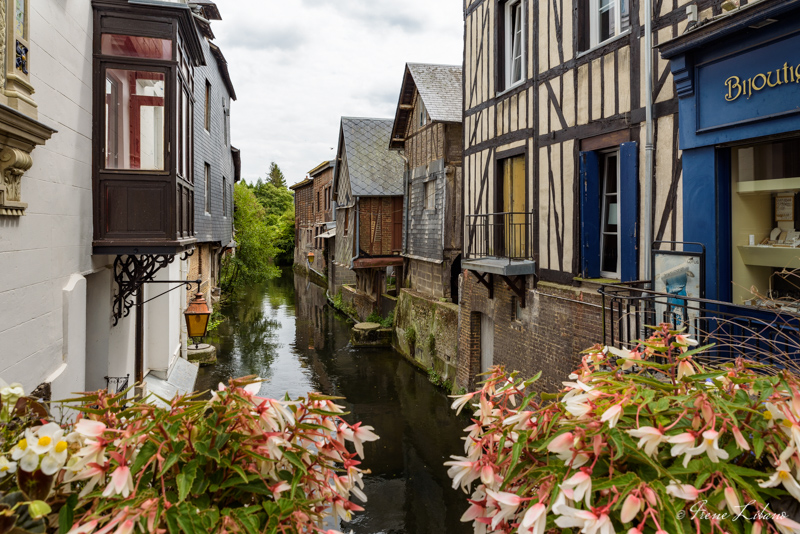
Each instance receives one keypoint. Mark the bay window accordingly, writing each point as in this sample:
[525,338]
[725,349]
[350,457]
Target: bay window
[144,58]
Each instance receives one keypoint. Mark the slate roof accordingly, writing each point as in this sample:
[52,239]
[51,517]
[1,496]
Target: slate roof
[374,169]
[440,88]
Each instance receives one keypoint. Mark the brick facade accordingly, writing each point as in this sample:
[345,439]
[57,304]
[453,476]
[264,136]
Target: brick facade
[557,324]
[304,219]
[203,265]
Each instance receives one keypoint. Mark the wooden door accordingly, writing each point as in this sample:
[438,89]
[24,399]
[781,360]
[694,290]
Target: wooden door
[397,224]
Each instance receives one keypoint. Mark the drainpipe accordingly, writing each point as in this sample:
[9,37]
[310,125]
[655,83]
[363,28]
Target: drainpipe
[647,227]
[358,234]
[407,202]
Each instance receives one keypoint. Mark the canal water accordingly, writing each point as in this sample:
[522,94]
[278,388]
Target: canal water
[285,332]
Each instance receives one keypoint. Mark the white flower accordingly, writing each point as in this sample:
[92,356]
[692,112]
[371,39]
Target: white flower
[786,525]
[29,461]
[649,437]
[685,368]
[534,520]
[682,443]
[19,450]
[461,401]
[462,471]
[630,357]
[46,438]
[612,415]
[588,522]
[581,484]
[578,405]
[6,467]
[358,435]
[783,475]
[89,428]
[686,492]
[630,508]
[710,446]
[773,414]
[732,501]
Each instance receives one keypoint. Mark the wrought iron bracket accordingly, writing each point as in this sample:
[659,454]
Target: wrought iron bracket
[131,272]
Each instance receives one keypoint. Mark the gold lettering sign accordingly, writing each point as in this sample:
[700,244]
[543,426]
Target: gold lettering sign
[737,87]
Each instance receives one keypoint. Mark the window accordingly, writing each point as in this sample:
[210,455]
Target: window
[423,113]
[226,126]
[134,102]
[224,197]
[606,19]
[512,207]
[609,213]
[319,205]
[516,309]
[430,194]
[207,120]
[138,47]
[609,216]
[512,45]
[208,189]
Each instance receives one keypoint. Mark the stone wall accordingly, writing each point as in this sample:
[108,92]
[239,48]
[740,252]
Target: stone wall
[434,343]
[557,324]
[429,278]
[363,303]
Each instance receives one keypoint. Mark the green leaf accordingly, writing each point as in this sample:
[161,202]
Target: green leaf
[661,405]
[172,459]
[145,453]
[295,460]
[758,446]
[619,481]
[66,516]
[185,479]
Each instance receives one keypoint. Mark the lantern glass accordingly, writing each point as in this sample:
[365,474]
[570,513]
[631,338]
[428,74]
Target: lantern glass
[197,316]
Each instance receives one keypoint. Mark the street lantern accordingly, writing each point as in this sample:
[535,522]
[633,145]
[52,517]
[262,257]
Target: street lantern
[197,315]
[310,257]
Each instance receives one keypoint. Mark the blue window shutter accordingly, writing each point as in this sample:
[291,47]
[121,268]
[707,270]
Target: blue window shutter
[590,214]
[629,211]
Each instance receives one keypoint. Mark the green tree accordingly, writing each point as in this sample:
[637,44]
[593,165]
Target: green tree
[275,176]
[256,251]
[275,200]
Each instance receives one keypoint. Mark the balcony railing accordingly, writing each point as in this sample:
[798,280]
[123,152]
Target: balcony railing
[499,235]
[763,335]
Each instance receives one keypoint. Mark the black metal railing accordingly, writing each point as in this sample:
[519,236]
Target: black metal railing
[499,235]
[770,336]
[117,384]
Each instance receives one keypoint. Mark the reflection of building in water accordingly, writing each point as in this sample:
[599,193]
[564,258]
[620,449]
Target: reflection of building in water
[310,301]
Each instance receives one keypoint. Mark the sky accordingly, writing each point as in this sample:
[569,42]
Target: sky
[298,66]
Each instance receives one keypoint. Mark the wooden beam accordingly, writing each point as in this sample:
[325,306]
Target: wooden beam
[408,107]
[488,284]
[519,291]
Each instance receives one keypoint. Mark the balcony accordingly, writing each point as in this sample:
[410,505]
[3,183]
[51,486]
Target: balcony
[500,243]
[768,336]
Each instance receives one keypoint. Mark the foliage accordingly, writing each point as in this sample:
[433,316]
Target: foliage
[346,307]
[385,322]
[252,262]
[235,463]
[642,441]
[275,176]
[278,203]
[411,337]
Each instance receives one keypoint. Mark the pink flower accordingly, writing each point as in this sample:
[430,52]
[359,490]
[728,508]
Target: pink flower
[630,508]
[732,501]
[785,525]
[686,492]
[121,482]
[685,341]
[562,444]
[462,471]
[87,528]
[461,401]
[508,504]
[89,428]
[126,527]
[740,441]
[710,446]
[534,520]
[358,435]
[581,485]
[681,443]
[685,368]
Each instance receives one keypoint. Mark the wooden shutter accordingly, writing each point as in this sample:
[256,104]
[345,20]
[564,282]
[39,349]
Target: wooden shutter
[590,214]
[629,211]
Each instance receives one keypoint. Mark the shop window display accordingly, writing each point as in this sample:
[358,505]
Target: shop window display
[766,224]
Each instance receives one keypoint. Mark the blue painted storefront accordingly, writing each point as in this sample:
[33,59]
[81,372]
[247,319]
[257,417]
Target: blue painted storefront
[737,82]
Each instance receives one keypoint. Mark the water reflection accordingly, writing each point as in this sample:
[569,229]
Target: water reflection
[285,332]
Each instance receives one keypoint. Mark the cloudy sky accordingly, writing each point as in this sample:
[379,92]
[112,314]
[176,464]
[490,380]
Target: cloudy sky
[299,65]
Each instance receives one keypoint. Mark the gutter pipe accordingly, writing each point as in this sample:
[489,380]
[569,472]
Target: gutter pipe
[647,226]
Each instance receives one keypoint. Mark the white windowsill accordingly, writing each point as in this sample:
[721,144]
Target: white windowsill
[604,43]
[511,88]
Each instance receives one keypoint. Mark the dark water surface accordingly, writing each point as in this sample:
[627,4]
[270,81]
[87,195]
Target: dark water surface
[284,331]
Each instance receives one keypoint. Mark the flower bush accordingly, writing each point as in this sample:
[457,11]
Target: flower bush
[647,440]
[235,463]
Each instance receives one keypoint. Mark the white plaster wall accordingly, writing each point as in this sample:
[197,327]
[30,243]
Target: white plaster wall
[163,317]
[42,251]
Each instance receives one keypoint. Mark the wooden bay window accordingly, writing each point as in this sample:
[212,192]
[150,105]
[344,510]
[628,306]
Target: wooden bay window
[142,173]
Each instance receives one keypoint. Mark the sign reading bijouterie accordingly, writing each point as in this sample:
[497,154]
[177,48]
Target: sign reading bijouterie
[738,87]
[756,82]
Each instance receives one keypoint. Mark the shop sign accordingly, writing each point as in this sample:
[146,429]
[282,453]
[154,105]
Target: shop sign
[755,84]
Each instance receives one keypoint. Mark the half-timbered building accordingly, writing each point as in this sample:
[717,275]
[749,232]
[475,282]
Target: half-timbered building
[368,189]
[427,131]
[560,192]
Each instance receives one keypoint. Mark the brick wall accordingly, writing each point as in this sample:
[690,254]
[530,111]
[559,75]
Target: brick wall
[201,268]
[557,323]
[376,225]
[322,184]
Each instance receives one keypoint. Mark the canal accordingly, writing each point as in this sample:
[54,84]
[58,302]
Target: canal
[285,332]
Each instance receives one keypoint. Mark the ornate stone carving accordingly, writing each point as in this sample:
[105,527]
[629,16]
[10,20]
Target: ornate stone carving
[13,164]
